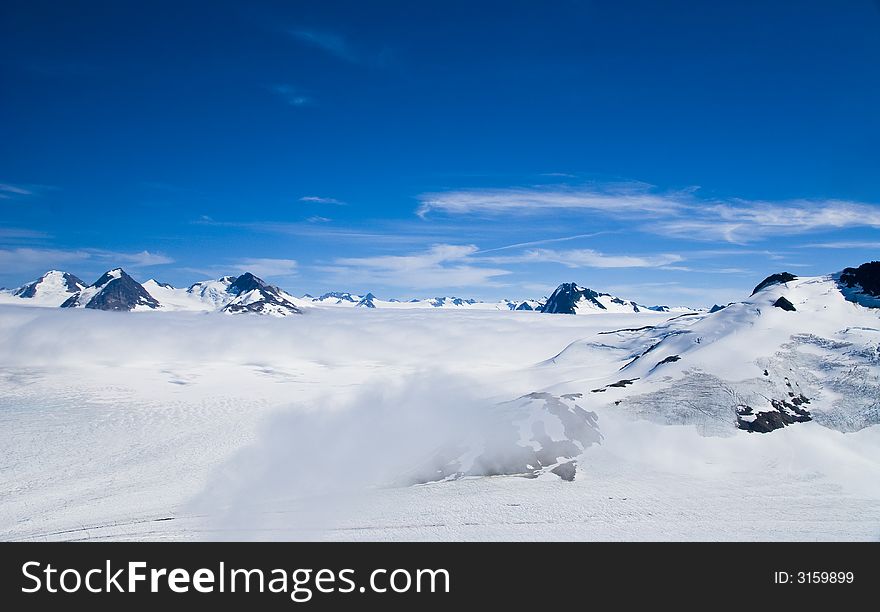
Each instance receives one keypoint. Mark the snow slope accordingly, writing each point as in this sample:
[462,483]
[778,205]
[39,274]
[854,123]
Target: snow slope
[51,289]
[515,426]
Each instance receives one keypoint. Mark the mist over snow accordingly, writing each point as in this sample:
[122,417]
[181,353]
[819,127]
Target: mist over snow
[749,422]
[320,458]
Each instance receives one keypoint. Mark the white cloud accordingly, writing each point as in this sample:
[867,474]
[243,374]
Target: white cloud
[746,221]
[617,200]
[588,258]
[28,261]
[142,259]
[292,95]
[679,214]
[321,200]
[7,191]
[851,244]
[341,48]
[15,233]
[520,245]
[267,267]
[334,44]
[442,265]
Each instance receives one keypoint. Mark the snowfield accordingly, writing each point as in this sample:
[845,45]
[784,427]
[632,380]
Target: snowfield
[444,424]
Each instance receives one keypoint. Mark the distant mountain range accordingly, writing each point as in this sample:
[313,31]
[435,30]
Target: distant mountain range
[116,290]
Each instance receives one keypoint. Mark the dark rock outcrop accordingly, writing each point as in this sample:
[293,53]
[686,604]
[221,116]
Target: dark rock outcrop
[366,301]
[339,296]
[866,276]
[774,279]
[784,304]
[439,302]
[670,359]
[115,290]
[784,413]
[566,297]
[254,295]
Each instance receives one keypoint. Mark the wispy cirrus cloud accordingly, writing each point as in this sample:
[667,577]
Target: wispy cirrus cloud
[309,229]
[677,214]
[294,96]
[7,191]
[440,266]
[844,244]
[330,42]
[321,200]
[22,234]
[588,258]
[530,243]
[267,267]
[748,221]
[340,47]
[28,260]
[141,259]
[617,200]
[10,191]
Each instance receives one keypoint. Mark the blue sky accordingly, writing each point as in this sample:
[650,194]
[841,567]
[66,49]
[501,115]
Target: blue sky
[667,152]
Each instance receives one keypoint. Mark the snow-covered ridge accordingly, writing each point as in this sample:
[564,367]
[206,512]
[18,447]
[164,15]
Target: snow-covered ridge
[570,298]
[51,289]
[226,294]
[797,349]
[115,290]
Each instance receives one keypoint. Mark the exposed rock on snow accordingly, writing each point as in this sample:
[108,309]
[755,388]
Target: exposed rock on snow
[866,276]
[569,298]
[784,304]
[253,295]
[367,301]
[783,413]
[746,366]
[51,289]
[774,279]
[862,284]
[115,290]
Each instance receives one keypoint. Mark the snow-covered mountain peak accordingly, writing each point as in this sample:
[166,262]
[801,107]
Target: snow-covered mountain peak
[571,298]
[368,301]
[246,282]
[51,289]
[114,290]
[254,295]
[796,350]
